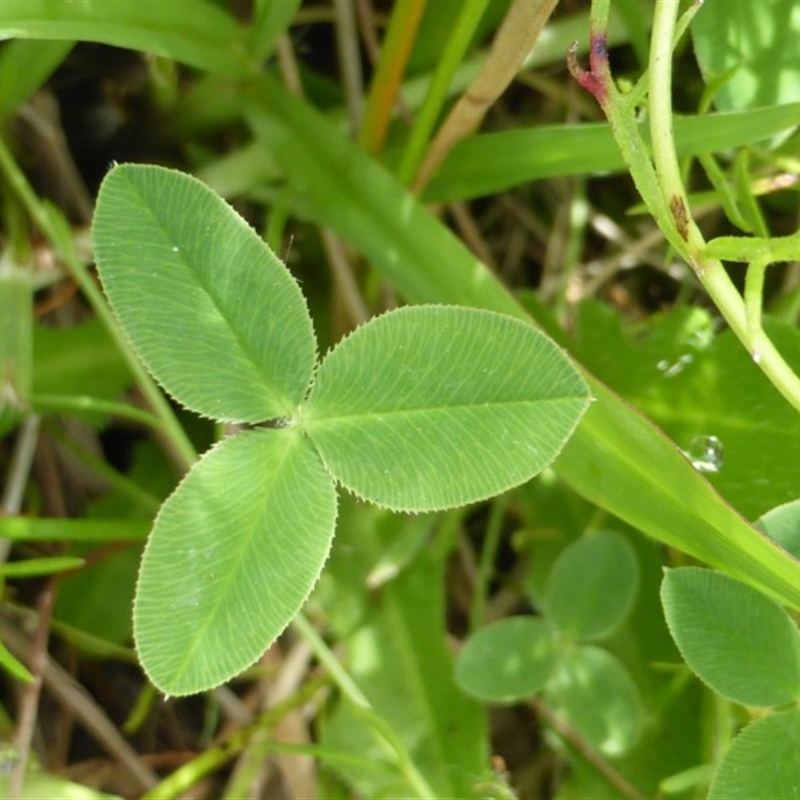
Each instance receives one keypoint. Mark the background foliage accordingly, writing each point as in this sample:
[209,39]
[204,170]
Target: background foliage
[525,646]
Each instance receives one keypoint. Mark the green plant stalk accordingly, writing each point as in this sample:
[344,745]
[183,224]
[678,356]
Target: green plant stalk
[746,196]
[61,403]
[148,502]
[661,186]
[212,759]
[53,225]
[16,339]
[746,326]
[487,561]
[383,90]
[348,687]
[463,31]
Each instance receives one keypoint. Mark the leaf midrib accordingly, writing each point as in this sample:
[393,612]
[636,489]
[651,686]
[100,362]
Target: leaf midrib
[312,418]
[223,592]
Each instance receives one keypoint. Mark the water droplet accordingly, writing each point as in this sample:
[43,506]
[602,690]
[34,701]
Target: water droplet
[756,357]
[706,453]
[671,370]
[175,248]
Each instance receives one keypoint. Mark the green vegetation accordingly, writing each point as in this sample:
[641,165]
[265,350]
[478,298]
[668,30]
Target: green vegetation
[419,492]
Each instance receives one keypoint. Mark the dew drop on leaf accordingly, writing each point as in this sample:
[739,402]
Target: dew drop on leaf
[706,453]
[671,370]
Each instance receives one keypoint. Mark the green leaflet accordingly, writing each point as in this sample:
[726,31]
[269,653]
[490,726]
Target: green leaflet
[433,407]
[217,318]
[509,660]
[761,764]
[584,674]
[592,586]
[739,642]
[234,553]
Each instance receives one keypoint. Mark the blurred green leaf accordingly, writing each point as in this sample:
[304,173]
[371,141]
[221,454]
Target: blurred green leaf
[25,65]
[782,525]
[79,360]
[16,340]
[42,786]
[36,567]
[757,38]
[194,32]
[697,384]
[592,586]
[585,674]
[56,529]
[738,641]
[508,660]
[413,393]
[97,600]
[13,667]
[271,19]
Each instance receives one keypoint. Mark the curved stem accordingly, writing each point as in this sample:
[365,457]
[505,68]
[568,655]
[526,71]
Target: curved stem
[710,271]
[350,689]
[660,108]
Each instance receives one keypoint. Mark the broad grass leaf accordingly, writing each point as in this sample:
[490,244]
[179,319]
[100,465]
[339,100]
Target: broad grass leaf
[213,313]
[79,360]
[489,163]
[206,38]
[596,695]
[234,553]
[694,383]
[763,763]
[737,640]
[592,586]
[25,65]
[431,407]
[508,660]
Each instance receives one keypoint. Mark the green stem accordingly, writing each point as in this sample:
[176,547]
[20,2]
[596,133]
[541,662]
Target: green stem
[212,759]
[660,107]
[53,225]
[491,543]
[59,403]
[753,295]
[660,184]
[396,48]
[743,315]
[350,690]
[460,39]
